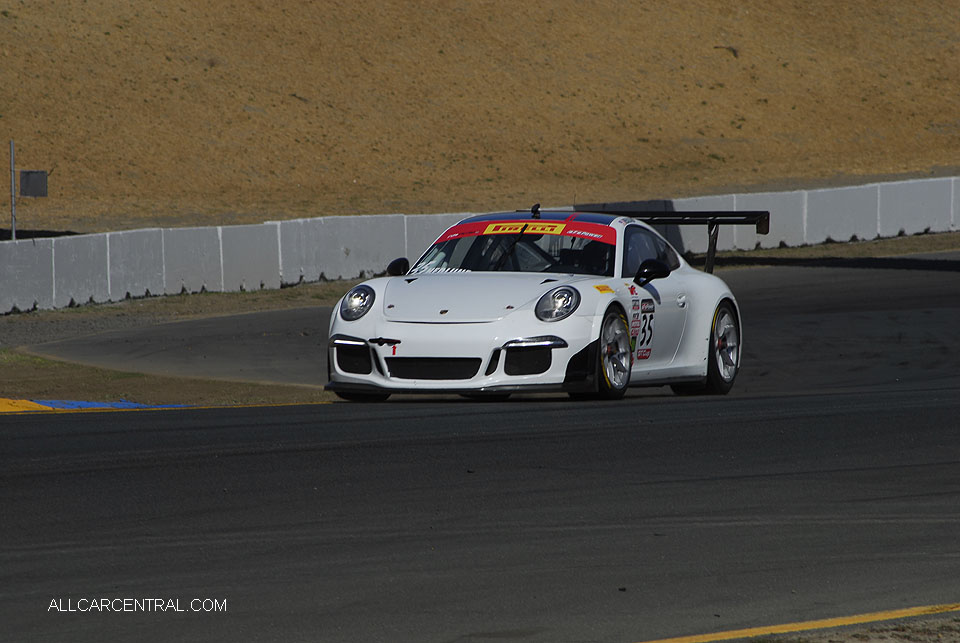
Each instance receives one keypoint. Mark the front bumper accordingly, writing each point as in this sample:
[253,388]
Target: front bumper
[402,357]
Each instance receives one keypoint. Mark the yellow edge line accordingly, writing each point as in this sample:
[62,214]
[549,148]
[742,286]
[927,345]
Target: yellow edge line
[814,625]
[19,407]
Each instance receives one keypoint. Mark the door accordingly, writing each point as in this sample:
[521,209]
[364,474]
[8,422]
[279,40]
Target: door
[659,309]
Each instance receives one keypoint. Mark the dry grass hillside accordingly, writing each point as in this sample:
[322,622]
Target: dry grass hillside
[235,111]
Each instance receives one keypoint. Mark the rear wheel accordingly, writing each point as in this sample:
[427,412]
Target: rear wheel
[723,358]
[615,356]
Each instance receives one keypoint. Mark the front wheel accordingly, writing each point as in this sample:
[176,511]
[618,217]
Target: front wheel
[615,357]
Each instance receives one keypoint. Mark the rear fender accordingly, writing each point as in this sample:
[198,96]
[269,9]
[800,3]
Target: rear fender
[697,344]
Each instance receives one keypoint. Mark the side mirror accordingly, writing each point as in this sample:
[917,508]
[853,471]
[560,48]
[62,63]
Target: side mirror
[398,267]
[649,270]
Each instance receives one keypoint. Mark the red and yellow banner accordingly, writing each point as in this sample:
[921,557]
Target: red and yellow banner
[584,230]
[514,227]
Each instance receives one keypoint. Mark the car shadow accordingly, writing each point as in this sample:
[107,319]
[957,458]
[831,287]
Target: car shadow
[6,234]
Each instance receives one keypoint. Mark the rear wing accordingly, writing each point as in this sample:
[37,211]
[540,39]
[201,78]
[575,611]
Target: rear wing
[713,219]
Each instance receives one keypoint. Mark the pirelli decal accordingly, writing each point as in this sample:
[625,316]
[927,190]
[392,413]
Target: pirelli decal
[584,230]
[514,227]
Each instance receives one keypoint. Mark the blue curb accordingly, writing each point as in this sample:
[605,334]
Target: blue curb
[75,405]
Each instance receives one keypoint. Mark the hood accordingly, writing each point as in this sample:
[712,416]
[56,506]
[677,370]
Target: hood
[466,297]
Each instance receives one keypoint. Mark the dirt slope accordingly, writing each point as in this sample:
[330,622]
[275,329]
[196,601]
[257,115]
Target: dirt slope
[234,111]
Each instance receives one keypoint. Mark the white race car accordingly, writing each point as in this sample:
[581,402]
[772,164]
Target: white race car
[587,303]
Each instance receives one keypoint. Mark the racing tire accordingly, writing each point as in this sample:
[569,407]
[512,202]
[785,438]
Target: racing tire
[723,356]
[614,355]
[362,397]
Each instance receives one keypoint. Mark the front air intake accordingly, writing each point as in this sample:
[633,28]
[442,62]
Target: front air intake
[527,360]
[433,368]
[354,359]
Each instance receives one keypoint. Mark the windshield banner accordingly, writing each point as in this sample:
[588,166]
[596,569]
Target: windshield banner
[596,231]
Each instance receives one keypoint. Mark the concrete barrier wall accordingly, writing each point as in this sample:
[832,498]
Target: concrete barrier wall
[842,214]
[136,263]
[251,257]
[53,273]
[81,271]
[786,219]
[915,206]
[299,243]
[26,275]
[192,260]
[955,216]
[360,246]
[339,247]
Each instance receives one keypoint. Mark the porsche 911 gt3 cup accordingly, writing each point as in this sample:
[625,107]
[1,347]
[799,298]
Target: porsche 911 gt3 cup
[588,303]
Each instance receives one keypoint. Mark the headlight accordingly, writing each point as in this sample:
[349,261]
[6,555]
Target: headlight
[558,304]
[357,302]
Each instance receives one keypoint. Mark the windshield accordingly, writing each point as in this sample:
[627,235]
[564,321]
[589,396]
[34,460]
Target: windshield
[522,246]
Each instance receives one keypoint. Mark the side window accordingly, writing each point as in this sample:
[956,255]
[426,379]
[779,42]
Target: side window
[639,245]
[666,254]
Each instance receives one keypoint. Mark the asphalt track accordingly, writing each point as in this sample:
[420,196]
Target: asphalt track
[279,347]
[827,484]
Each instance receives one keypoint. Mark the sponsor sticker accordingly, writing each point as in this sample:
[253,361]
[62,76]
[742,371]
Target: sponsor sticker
[514,227]
[584,233]
[595,231]
[636,304]
[643,353]
[633,289]
[647,306]
[603,288]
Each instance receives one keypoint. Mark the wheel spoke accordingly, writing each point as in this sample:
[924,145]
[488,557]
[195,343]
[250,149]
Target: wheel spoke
[618,363]
[615,355]
[727,346]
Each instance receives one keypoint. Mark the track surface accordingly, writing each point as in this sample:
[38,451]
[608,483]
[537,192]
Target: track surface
[828,484]
[281,347]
